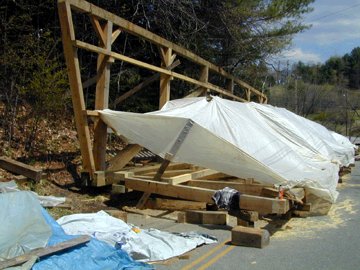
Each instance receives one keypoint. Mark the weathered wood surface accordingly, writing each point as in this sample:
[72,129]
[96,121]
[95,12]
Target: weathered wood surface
[176,205]
[250,237]
[20,168]
[205,217]
[176,191]
[123,157]
[41,252]
[72,63]
[264,205]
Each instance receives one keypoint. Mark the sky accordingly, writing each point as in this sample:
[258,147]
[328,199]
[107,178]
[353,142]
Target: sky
[335,31]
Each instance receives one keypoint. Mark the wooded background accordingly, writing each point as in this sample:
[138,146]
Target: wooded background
[242,36]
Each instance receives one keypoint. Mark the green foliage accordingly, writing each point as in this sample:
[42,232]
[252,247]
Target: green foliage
[47,88]
[33,73]
[344,71]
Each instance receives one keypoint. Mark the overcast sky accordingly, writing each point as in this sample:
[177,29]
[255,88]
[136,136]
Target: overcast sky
[335,31]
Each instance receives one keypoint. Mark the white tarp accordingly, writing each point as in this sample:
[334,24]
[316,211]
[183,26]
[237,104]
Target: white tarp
[142,245]
[310,134]
[246,140]
[23,227]
[46,201]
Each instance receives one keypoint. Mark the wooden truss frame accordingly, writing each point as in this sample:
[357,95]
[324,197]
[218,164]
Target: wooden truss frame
[108,27]
[189,182]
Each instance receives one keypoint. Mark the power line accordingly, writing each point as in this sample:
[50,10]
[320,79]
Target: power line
[334,13]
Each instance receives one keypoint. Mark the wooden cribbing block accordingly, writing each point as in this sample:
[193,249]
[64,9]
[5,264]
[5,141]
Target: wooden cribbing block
[249,237]
[20,168]
[206,217]
[180,205]
[264,205]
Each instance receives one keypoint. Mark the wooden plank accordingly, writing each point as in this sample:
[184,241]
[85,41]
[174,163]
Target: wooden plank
[189,176]
[270,192]
[253,189]
[77,95]
[98,30]
[206,217]
[154,168]
[83,6]
[93,48]
[91,113]
[123,157]
[170,173]
[20,168]
[102,99]
[142,85]
[175,205]
[41,252]
[264,205]
[204,77]
[230,85]
[166,61]
[115,35]
[181,192]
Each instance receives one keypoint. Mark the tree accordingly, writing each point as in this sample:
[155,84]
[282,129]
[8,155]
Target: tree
[238,35]
[31,67]
[353,68]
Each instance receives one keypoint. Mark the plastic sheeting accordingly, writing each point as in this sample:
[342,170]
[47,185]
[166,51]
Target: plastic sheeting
[46,201]
[93,255]
[308,134]
[141,245]
[246,140]
[23,227]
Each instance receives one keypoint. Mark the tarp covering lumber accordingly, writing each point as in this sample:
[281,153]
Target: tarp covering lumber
[246,140]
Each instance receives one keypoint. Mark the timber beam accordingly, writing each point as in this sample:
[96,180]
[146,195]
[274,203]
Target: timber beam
[247,202]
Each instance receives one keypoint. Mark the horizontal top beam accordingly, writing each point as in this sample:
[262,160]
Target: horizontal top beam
[93,48]
[85,7]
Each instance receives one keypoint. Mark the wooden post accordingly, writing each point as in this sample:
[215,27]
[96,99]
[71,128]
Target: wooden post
[102,96]
[204,77]
[167,59]
[248,94]
[230,85]
[72,62]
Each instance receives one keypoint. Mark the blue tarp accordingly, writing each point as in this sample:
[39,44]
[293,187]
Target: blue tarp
[92,255]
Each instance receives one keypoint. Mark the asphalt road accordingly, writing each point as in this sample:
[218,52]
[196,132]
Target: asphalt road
[325,242]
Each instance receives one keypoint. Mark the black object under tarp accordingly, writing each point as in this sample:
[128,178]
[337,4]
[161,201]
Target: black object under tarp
[227,198]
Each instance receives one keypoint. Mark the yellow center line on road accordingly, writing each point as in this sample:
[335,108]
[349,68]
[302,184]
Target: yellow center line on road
[216,258]
[203,257]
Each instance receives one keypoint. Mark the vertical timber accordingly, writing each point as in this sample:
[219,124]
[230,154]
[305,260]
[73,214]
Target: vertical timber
[167,58]
[72,62]
[204,77]
[102,97]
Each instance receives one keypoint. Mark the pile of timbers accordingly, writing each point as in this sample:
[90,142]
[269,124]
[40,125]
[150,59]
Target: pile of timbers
[190,189]
[192,184]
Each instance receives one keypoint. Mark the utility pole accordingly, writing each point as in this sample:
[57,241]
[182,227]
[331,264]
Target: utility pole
[346,112]
[296,96]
